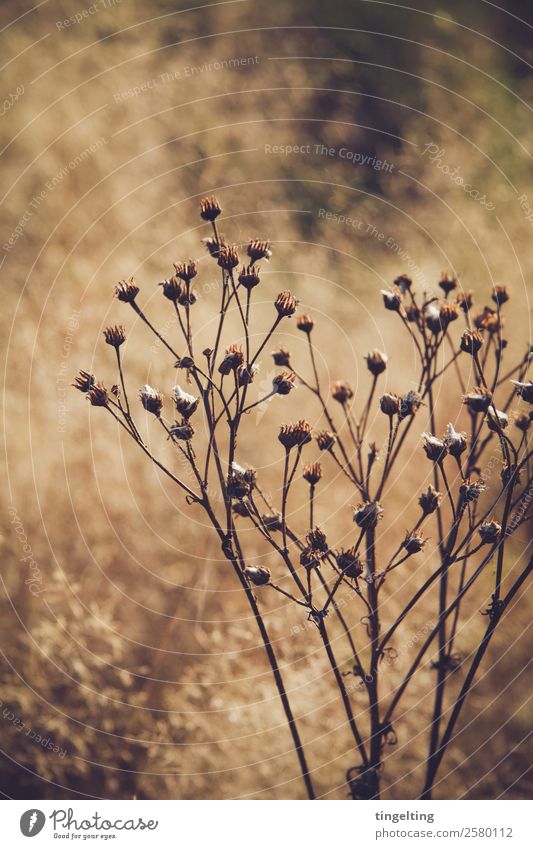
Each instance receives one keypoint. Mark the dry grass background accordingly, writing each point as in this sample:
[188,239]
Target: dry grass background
[138,657]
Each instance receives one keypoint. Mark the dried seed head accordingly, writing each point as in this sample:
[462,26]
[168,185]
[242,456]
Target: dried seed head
[228,257]
[448,313]
[325,440]
[84,381]
[433,319]
[284,383]
[434,447]
[404,283]
[305,323]
[366,515]
[233,358]
[490,532]
[213,245]
[389,404]
[249,277]
[471,342]
[496,420]
[413,542]
[239,481]
[317,542]
[471,490]
[151,399]
[285,304]
[127,291]
[409,404]
[210,209]
[392,300]
[241,508]
[309,559]
[173,289]
[186,270]
[115,390]
[488,320]
[522,421]
[341,391]
[464,301]
[439,317]
[349,563]
[412,313]
[524,390]
[500,295]
[455,442]
[508,472]
[257,575]
[115,336]
[247,374]
[281,357]
[312,472]
[97,395]
[295,435]
[479,400]
[272,521]
[447,283]
[430,500]
[182,430]
[259,249]
[376,362]
[186,404]
[185,362]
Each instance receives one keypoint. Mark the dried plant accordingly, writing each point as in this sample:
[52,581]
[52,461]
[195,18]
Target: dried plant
[470,517]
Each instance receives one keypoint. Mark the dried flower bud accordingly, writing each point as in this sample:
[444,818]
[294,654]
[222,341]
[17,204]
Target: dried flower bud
[214,245]
[97,395]
[455,442]
[464,301]
[389,404]
[524,390]
[500,295]
[433,319]
[272,521]
[241,508]
[489,532]
[284,383]
[305,323]
[413,542]
[496,420]
[285,304]
[471,490]
[349,563]
[317,542]
[309,559]
[84,381]
[186,270]
[249,277]
[434,447]
[341,391]
[151,399]
[115,336]
[412,313]
[233,358]
[126,291]
[392,300]
[448,312]
[488,320]
[173,289]
[182,430]
[312,472]
[257,575]
[281,357]
[228,257]
[479,400]
[376,362]
[247,374]
[366,515]
[115,390]
[258,249]
[430,500]
[325,440]
[210,209]
[240,481]
[447,283]
[185,362]
[186,404]
[471,342]
[295,435]
[403,283]
[522,420]
[409,404]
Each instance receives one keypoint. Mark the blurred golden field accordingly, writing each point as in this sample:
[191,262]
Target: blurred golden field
[136,656]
